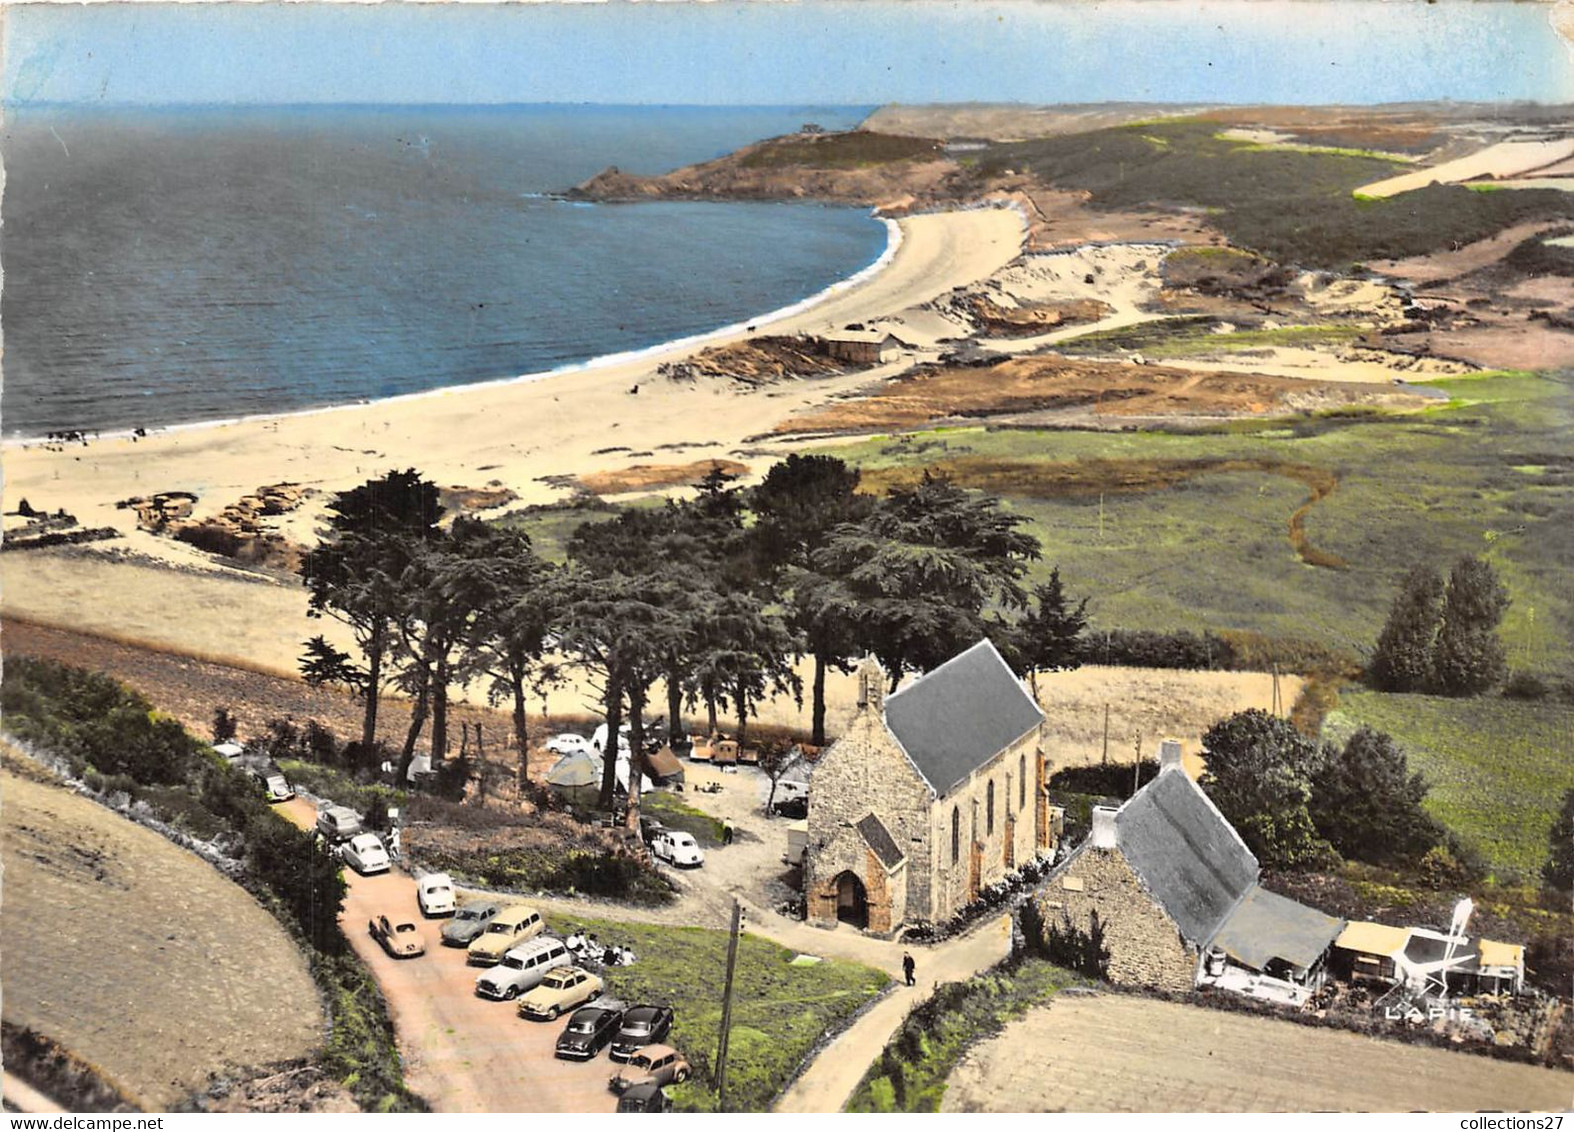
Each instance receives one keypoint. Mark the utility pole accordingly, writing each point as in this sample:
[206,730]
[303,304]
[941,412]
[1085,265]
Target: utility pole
[726,1009]
[1136,767]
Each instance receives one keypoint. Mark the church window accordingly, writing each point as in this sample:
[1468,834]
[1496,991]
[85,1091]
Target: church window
[956,835]
[1022,784]
[989,808]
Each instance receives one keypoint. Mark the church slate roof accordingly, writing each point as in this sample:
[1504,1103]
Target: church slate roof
[959,716]
[878,838]
[1189,858]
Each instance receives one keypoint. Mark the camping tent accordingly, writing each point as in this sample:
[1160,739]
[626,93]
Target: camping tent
[665,767]
[577,777]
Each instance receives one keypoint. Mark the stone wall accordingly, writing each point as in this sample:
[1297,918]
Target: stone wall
[865,771]
[1015,818]
[1145,946]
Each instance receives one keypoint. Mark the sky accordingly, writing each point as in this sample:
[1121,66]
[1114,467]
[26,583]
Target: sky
[828,52]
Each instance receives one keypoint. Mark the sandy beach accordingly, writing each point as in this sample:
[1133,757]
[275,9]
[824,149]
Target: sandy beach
[519,434]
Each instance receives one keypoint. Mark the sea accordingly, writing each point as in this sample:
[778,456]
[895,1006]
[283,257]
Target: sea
[176,265]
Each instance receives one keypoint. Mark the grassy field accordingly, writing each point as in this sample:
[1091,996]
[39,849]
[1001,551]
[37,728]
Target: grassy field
[779,1010]
[137,955]
[911,1073]
[843,151]
[1191,336]
[1291,204]
[1498,767]
[674,813]
[1490,471]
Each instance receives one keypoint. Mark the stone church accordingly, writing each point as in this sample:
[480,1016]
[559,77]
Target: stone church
[931,793]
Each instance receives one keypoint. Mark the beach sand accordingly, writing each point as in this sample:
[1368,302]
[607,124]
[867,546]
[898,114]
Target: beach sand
[524,435]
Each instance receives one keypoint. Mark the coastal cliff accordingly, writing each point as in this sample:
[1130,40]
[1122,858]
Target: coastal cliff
[888,171]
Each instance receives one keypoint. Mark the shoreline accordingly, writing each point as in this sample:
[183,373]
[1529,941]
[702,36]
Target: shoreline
[658,351]
[534,437]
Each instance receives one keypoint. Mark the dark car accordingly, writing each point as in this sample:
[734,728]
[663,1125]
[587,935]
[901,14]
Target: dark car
[644,1098]
[642,1026]
[588,1030]
[795,809]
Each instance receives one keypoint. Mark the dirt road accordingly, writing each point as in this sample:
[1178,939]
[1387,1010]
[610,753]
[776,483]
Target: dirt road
[462,1053]
[1168,1057]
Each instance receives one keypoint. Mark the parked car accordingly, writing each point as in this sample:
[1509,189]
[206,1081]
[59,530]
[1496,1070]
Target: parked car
[338,823]
[644,1098]
[469,921]
[400,938]
[568,744]
[590,1028]
[522,969]
[649,827]
[512,926]
[275,787]
[435,894]
[795,808]
[651,1065]
[677,848]
[365,854]
[642,1025]
[559,991]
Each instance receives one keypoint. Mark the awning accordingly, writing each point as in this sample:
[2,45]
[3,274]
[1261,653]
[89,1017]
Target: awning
[1372,939]
[1495,954]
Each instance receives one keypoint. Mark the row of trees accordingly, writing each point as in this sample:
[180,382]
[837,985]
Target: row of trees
[1442,637]
[715,598]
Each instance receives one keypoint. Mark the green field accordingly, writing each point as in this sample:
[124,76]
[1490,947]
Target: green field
[779,1010]
[1490,472]
[1498,768]
[1291,204]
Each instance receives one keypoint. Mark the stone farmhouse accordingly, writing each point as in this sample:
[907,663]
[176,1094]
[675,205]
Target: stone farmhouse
[933,792]
[1174,893]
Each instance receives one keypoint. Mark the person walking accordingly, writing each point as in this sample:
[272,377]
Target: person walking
[908,967]
[726,831]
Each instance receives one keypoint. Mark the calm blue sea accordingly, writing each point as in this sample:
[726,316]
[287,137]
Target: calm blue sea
[172,265]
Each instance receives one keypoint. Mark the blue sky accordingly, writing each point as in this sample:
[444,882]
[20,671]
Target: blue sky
[815,51]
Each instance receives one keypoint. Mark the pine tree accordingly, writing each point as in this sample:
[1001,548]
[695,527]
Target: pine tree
[1368,804]
[1468,657]
[1403,659]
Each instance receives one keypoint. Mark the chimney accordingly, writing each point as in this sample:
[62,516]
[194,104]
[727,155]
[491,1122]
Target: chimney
[1103,827]
[1169,755]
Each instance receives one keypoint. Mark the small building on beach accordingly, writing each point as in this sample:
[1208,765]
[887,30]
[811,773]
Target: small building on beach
[863,347]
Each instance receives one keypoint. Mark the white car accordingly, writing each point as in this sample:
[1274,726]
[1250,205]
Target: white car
[365,854]
[568,744]
[435,894]
[677,848]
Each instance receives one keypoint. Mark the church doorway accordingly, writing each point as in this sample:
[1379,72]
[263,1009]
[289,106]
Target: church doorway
[852,901]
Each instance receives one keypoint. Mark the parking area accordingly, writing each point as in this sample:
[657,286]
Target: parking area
[462,1053]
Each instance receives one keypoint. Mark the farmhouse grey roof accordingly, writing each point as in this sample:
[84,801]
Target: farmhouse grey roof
[1190,859]
[1265,926]
[956,718]
[878,838]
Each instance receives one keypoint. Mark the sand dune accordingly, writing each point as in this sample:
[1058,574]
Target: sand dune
[1497,162]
